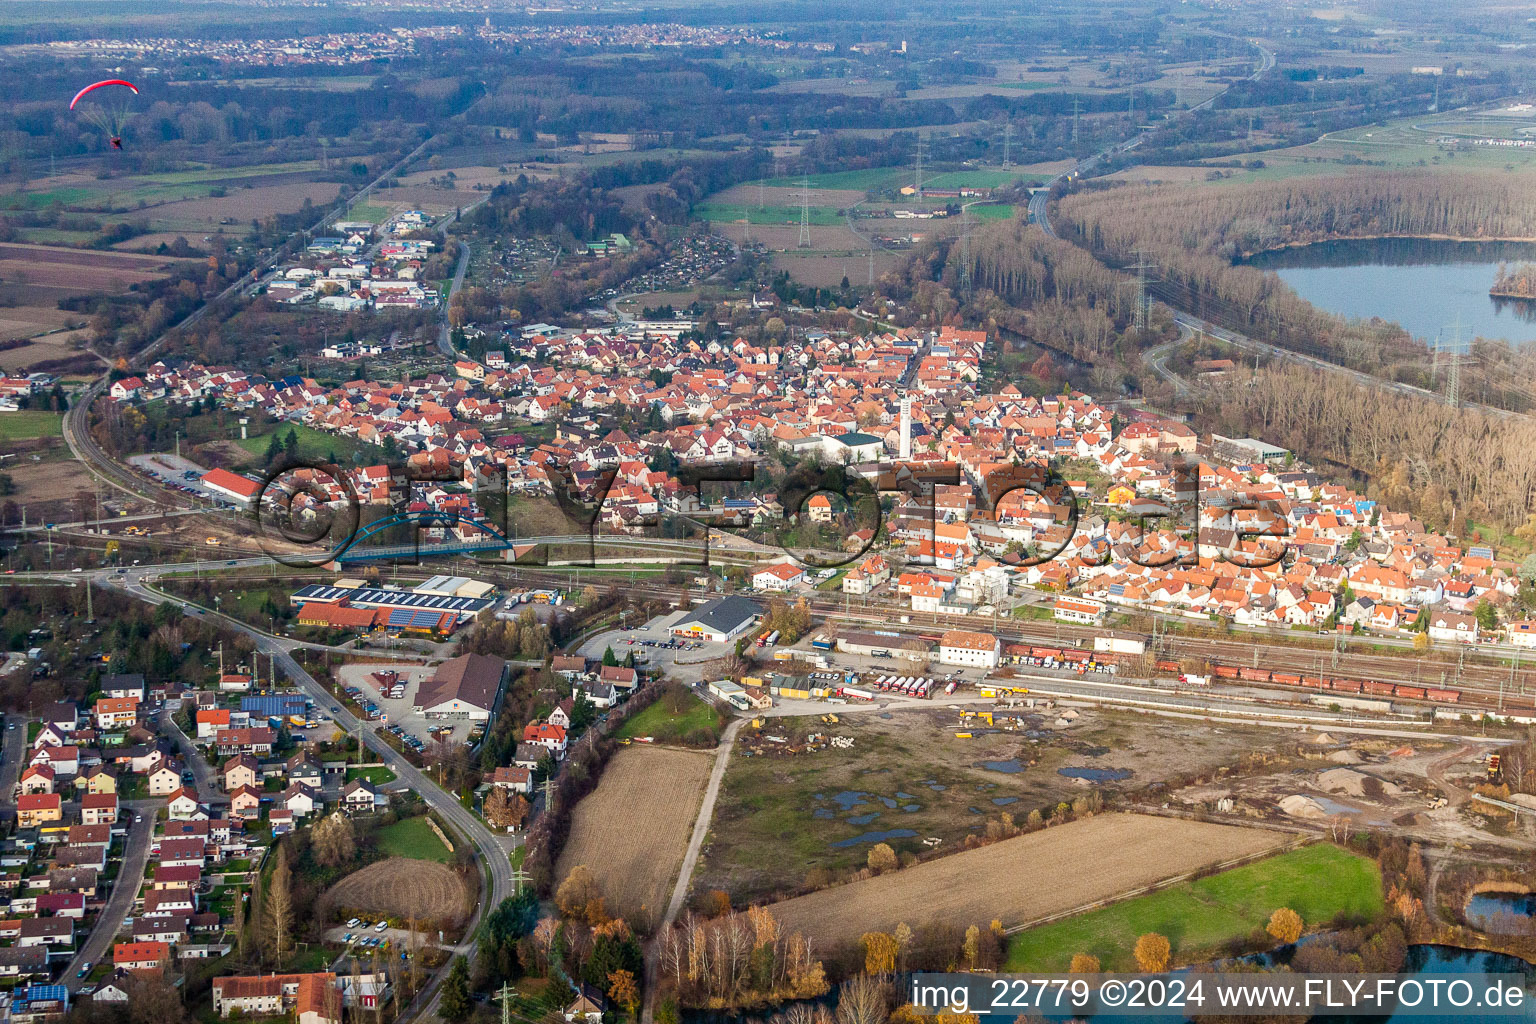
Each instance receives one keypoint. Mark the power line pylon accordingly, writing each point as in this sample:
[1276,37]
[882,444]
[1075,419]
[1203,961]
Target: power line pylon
[917,170]
[1007,145]
[1077,106]
[1141,266]
[965,251]
[805,214]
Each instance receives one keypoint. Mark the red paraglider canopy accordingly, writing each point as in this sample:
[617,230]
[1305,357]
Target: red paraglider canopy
[97,85]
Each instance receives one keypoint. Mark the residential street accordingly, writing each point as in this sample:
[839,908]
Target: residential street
[125,889]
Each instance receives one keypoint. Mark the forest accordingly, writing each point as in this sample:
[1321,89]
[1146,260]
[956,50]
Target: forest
[1197,240]
[1442,464]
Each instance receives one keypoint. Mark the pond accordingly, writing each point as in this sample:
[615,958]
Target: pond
[1422,284]
[1503,913]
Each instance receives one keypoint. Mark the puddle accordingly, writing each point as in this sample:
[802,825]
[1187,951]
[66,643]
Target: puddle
[875,837]
[863,819]
[909,808]
[823,812]
[1004,801]
[1008,767]
[904,796]
[1333,806]
[1095,774]
[888,802]
[848,799]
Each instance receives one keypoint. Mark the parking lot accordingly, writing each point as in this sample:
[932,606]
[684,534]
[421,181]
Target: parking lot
[175,471]
[656,651]
[401,719]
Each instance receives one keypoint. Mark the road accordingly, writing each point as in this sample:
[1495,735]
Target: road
[444,332]
[12,754]
[208,789]
[130,876]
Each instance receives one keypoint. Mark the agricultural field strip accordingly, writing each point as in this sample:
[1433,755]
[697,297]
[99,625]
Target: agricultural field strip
[633,829]
[1025,878]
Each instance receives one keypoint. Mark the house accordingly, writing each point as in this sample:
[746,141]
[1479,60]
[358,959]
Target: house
[169,902]
[241,770]
[361,797]
[47,931]
[304,769]
[1078,609]
[547,735]
[1453,626]
[187,851]
[123,684]
[517,778]
[183,805]
[618,676]
[969,649]
[98,808]
[311,998]
[468,686]
[113,713]
[245,802]
[165,780]
[588,1006]
[141,956]
[64,760]
[1521,634]
[37,778]
[780,576]
[114,990]
[24,962]
[34,809]
[301,800]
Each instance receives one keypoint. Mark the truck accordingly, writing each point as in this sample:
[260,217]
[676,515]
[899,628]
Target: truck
[773,638]
[823,643]
[857,694]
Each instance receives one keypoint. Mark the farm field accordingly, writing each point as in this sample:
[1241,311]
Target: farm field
[1024,878]
[633,829]
[907,778]
[77,270]
[401,888]
[1318,882]
[30,424]
[658,717]
[54,347]
[412,838]
[240,206]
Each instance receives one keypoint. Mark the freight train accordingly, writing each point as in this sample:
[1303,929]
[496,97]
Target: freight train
[1336,684]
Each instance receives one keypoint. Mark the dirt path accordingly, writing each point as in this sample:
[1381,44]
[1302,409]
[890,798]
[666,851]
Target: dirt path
[690,859]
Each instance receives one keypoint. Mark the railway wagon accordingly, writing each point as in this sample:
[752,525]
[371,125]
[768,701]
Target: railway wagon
[1254,675]
[1409,692]
[1285,679]
[1045,652]
[1378,689]
[1345,685]
[1225,672]
[1314,682]
[1168,666]
[1445,696]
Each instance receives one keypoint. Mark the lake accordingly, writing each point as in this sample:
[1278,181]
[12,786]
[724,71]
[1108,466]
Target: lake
[1422,284]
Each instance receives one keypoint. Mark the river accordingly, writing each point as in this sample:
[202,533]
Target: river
[1423,284]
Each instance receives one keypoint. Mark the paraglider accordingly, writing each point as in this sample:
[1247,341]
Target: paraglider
[109,110]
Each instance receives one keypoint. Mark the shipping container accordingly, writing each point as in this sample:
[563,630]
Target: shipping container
[822,643]
[1120,644]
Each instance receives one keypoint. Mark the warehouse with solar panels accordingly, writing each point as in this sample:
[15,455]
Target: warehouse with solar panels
[410,611]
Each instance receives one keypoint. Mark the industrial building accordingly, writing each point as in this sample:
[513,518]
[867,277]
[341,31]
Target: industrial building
[883,644]
[468,686]
[350,604]
[722,619]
